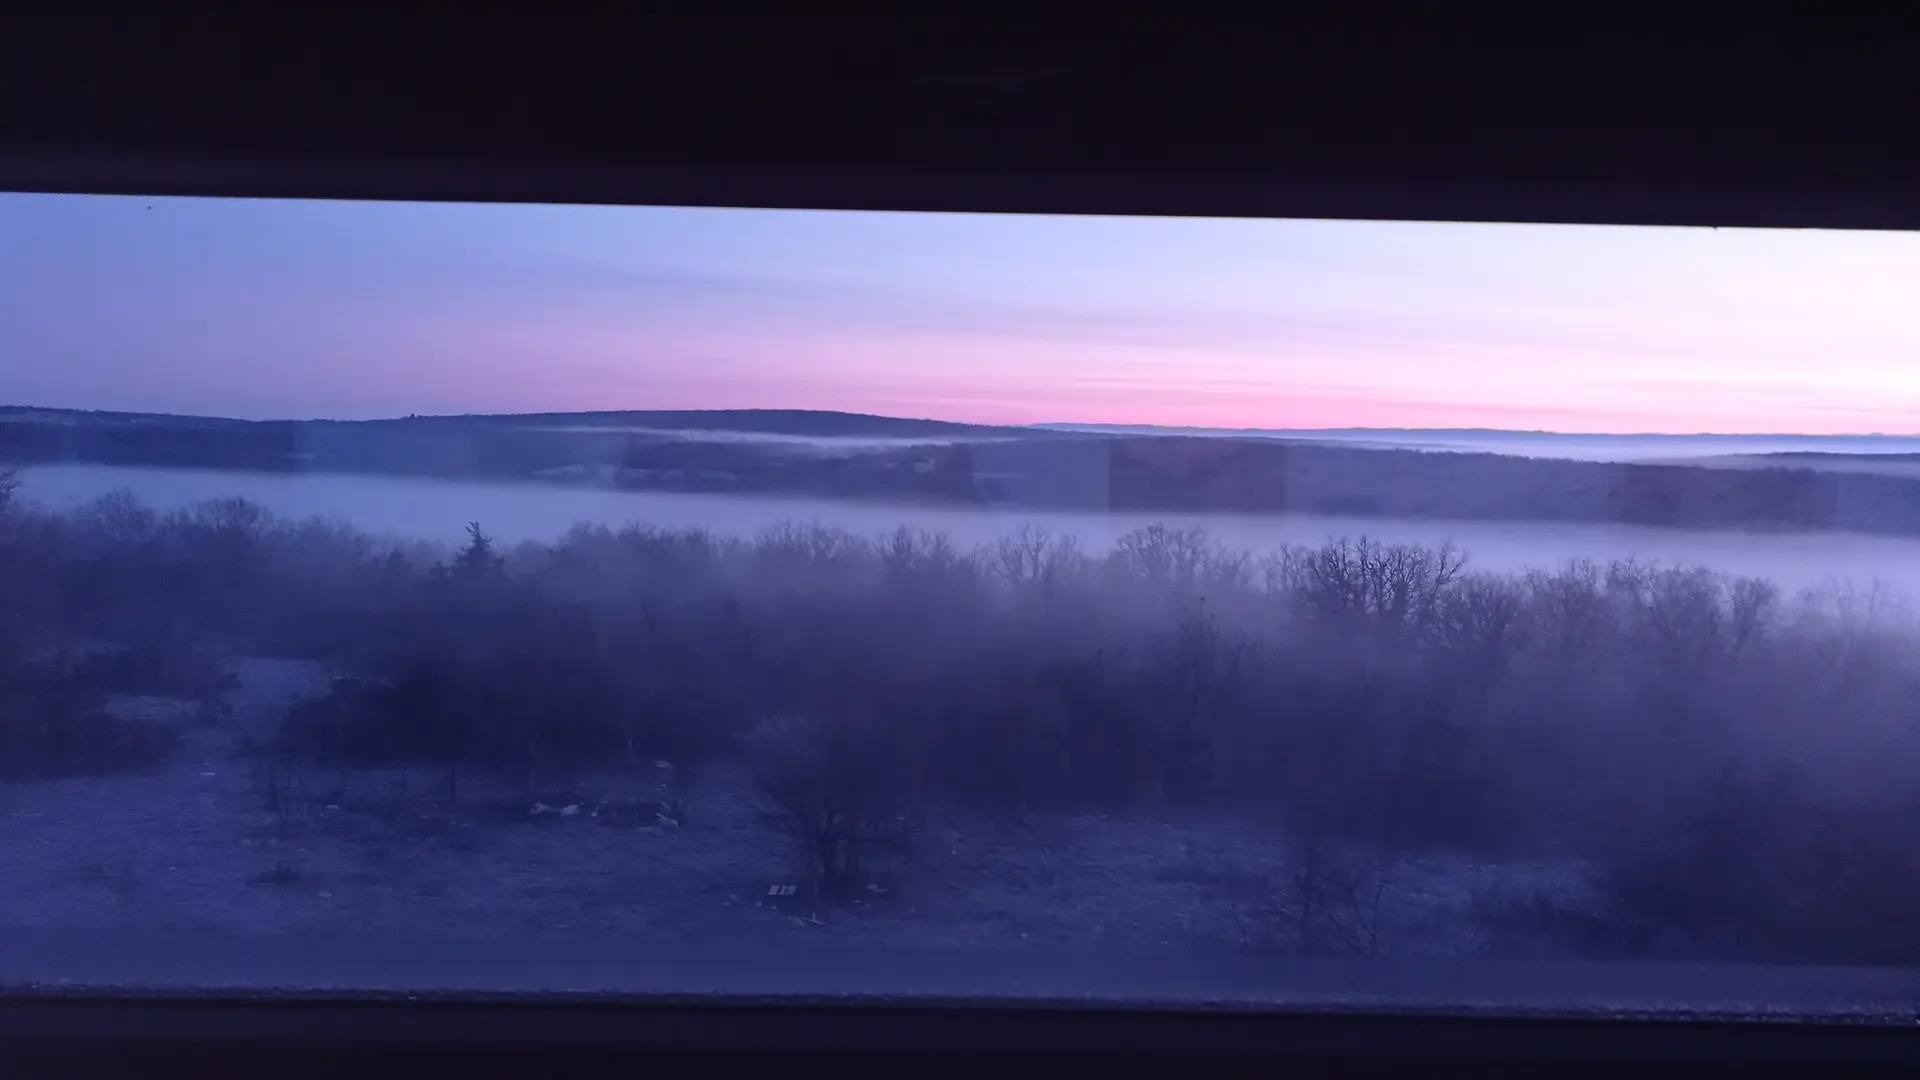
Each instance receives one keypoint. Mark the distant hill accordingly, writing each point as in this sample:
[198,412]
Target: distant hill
[1651,447]
[801,422]
[845,455]
[1794,457]
[804,422]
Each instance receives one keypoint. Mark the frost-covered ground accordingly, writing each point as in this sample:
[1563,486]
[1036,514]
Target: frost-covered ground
[195,845]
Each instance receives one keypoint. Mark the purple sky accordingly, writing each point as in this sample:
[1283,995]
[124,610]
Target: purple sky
[280,308]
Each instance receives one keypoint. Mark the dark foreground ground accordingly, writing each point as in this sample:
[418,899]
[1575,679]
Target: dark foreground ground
[196,844]
[183,880]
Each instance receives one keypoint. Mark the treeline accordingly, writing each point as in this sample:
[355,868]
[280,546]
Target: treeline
[1738,763]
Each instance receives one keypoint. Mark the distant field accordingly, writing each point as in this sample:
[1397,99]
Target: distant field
[1648,449]
[1903,465]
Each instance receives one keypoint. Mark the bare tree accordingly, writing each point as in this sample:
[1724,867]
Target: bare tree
[1476,630]
[1194,676]
[1328,898]
[1033,564]
[1569,620]
[912,560]
[1394,587]
[1159,556]
[1020,558]
[839,788]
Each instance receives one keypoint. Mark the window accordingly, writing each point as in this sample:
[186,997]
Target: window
[529,597]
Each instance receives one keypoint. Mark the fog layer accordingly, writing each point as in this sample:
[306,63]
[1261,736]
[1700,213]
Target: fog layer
[433,510]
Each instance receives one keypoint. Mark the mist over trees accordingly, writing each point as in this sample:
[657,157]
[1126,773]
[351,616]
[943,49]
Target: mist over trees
[1739,764]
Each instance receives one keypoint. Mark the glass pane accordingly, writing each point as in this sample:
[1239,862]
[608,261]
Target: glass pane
[1303,612]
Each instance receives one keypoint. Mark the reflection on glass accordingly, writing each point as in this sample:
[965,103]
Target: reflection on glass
[593,594]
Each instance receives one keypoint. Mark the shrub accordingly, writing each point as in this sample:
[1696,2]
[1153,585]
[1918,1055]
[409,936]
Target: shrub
[54,724]
[1763,870]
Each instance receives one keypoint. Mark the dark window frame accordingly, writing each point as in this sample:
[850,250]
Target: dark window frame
[1817,136]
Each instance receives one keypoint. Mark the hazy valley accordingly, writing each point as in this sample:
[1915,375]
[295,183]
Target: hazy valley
[620,675]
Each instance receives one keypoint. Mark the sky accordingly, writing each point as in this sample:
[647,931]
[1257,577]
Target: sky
[282,309]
